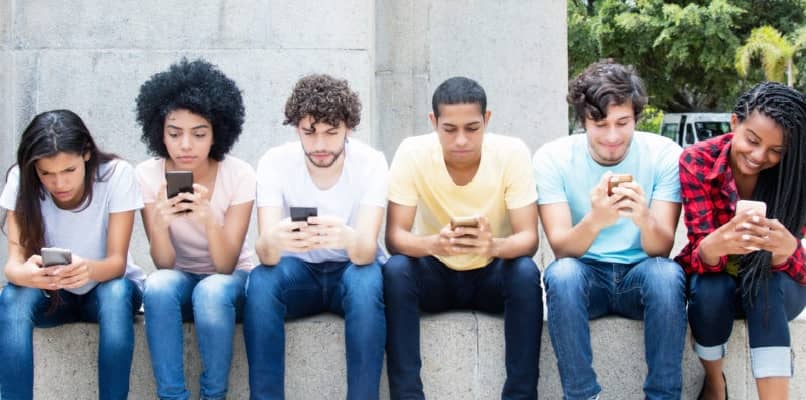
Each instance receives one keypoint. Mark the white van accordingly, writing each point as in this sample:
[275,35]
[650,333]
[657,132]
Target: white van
[689,128]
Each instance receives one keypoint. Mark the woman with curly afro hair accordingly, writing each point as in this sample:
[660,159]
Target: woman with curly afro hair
[191,116]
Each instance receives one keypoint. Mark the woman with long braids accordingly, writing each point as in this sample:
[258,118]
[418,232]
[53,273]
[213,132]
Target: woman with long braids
[748,264]
[65,192]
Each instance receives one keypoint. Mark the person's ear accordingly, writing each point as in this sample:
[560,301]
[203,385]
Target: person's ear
[433,119]
[734,122]
[487,115]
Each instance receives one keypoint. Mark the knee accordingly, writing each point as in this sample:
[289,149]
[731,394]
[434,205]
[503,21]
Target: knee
[162,283]
[364,282]
[263,280]
[711,292]
[118,290]
[217,290]
[664,281]
[19,302]
[565,276]
[398,267]
[524,276]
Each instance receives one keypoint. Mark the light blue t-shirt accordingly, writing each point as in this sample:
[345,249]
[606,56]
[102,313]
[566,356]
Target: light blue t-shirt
[566,173]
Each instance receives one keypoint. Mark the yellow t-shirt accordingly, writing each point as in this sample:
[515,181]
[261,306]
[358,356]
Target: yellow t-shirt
[418,178]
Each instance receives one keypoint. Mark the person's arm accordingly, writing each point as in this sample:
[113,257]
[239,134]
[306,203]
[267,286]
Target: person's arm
[224,242]
[360,242]
[21,271]
[523,241]
[568,240]
[657,223]
[277,234]
[157,218]
[400,239]
[81,270]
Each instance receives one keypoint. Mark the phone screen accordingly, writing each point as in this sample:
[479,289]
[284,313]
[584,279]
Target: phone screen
[178,182]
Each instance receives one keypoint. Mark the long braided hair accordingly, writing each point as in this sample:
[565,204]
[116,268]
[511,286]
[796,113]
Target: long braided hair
[782,186]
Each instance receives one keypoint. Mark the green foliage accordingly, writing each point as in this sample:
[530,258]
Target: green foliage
[651,120]
[684,50]
[775,52]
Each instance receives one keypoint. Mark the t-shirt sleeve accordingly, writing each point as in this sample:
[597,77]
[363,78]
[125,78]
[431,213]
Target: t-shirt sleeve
[125,192]
[520,181]
[402,187]
[548,176]
[378,184]
[269,181]
[667,187]
[8,199]
[244,180]
[149,182]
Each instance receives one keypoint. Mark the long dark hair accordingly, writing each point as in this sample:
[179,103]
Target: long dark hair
[782,186]
[50,133]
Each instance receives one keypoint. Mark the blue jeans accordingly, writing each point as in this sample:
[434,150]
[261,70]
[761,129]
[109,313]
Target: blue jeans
[714,304]
[214,302]
[294,289]
[111,304]
[652,290]
[508,286]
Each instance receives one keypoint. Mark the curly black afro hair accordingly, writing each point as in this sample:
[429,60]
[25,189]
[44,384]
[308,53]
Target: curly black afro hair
[326,99]
[200,88]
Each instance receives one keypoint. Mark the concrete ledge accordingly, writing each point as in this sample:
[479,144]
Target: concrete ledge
[463,358]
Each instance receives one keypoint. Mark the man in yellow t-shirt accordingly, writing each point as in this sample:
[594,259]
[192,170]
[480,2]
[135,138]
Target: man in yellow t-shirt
[484,182]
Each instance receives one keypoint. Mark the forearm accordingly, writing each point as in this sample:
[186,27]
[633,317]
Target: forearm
[656,239]
[406,243]
[576,241]
[267,253]
[517,245]
[161,248]
[224,251]
[15,273]
[107,269]
[360,250]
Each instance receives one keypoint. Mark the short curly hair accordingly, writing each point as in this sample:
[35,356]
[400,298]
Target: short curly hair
[326,99]
[196,86]
[602,84]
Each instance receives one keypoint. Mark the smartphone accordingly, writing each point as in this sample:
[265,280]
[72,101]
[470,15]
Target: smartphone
[55,256]
[179,182]
[302,213]
[746,205]
[469,222]
[616,180]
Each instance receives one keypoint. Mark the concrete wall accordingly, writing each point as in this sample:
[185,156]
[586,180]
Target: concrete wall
[92,57]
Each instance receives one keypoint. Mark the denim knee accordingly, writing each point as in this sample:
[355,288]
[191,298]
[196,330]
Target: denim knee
[219,290]
[18,304]
[363,282]
[565,279]
[398,274]
[161,283]
[711,313]
[664,283]
[117,293]
[524,276]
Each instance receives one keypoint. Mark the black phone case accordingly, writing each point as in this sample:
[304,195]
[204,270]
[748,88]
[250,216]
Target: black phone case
[178,182]
[302,213]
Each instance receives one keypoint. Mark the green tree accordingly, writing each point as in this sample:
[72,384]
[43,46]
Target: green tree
[775,51]
[684,50]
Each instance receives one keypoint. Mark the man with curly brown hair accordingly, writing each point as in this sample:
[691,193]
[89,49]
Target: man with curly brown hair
[329,259]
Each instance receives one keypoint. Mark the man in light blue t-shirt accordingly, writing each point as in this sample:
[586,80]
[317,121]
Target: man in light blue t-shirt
[612,245]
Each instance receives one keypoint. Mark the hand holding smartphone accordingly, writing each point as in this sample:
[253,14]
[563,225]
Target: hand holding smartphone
[746,205]
[466,222]
[178,182]
[301,214]
[616,180]
[55,256]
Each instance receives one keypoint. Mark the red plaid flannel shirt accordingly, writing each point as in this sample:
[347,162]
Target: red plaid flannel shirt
[709,198]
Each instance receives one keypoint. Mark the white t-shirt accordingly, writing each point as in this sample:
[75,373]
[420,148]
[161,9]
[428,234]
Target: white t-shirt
[84,232]
[234,184]
[283,181]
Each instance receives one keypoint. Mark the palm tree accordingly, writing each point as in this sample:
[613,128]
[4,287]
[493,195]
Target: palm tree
[775,51]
